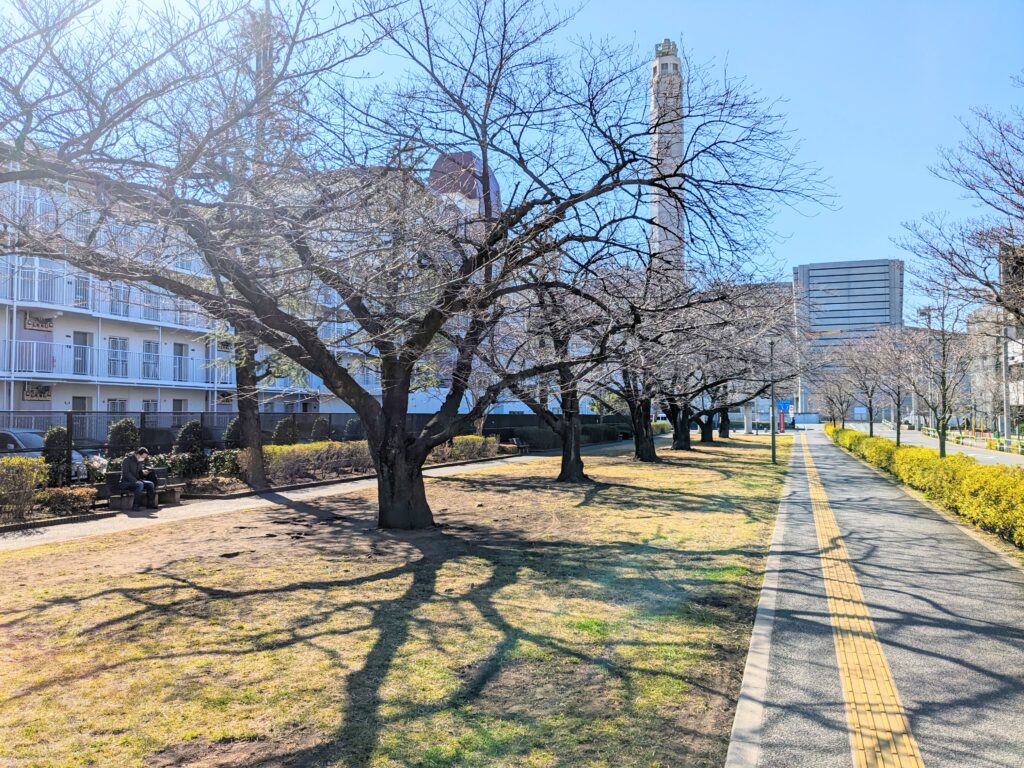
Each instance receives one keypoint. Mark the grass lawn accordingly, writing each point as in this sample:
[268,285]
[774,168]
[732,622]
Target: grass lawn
[538,625]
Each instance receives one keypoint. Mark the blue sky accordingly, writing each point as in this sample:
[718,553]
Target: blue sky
[872,88]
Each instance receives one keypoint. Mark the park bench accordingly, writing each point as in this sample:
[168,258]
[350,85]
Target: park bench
[167,493]
[520,445]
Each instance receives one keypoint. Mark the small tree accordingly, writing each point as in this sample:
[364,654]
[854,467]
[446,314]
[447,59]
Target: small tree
[321,429]
[190,438]
[55,453]
[354,429]
[122,437]
[285,432]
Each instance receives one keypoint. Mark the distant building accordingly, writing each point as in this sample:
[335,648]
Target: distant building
[838,301]
[994,341]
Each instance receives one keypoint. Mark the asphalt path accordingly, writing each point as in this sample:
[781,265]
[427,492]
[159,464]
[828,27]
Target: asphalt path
[947,610]
[913,437]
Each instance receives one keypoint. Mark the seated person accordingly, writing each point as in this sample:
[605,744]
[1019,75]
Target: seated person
[137,476]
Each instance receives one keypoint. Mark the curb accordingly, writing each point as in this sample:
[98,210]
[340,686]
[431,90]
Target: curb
[745,739]
[48,521]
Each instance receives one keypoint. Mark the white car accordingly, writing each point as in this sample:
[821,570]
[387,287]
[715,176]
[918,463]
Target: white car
[25,442]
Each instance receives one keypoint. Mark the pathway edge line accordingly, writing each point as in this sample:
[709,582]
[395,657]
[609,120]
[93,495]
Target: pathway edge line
[748,723]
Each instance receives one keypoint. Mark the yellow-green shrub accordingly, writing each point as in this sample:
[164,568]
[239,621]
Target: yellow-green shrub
[323,460]
[20,476]
[877,451]
[992,497]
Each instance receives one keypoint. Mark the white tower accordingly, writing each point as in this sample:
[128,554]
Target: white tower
[666,238]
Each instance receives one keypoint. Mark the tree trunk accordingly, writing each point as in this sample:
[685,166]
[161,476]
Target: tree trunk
[871,418]
[643,434]
[680,428]
[478,425]
[247,398]
[707,429]
[401,497]
[572,440]
[723,423]
[899,420]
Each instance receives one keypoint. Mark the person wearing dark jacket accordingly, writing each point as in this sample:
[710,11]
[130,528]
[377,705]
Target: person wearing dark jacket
[136,476]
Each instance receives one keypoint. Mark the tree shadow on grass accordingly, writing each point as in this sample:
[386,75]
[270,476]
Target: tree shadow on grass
[659,582]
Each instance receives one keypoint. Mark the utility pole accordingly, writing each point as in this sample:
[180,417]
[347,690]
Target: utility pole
[771,393]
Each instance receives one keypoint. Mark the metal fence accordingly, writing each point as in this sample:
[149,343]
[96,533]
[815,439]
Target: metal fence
[21,432]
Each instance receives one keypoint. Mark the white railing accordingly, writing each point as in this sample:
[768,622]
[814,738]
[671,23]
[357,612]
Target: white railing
[69,289]
[73,361]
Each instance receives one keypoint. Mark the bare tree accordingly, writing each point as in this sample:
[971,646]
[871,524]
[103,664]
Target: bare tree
[889,350]
[862,366]
[940,357]
[330,219]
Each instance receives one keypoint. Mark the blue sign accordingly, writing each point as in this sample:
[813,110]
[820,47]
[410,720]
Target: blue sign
[784,405]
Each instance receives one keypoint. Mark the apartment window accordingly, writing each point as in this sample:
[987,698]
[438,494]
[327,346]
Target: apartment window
[81,347]
[179,407]
[117,357]
[150,406]
[117,405]
[181,362]
[180,313]
[119,300]
[151,360]
[150,306]
[82,291]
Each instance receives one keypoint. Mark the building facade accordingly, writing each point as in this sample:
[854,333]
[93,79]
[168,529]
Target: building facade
[836,302]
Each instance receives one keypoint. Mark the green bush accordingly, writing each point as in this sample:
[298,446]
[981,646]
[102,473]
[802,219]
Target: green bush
[464,448]
[122,438]
[285,432]
[55,454]
[990,497]
[190,438]
[321,430]
[66,500]
[354,430]
[225,463]
[232,436]
[661,427]
[599,433]
[539,438]
[20,476]
[186,465]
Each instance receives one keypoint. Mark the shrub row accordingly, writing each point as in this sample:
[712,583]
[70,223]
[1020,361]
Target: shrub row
[20,478]
[988,496]
[287,464]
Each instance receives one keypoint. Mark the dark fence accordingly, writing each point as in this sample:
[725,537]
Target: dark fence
[21,432]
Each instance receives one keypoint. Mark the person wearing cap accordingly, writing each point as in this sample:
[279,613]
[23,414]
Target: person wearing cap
[138,477]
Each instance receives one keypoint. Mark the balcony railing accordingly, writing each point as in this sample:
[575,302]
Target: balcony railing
[72,361]
[68,289]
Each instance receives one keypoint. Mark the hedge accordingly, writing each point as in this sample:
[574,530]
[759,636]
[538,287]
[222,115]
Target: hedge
[540,438]
[987,496]
[19,478]
[661,427]
[73,500]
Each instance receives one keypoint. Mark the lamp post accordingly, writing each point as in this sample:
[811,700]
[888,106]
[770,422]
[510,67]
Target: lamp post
[771,393]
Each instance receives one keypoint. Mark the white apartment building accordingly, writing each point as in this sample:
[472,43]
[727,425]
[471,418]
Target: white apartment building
[72,342]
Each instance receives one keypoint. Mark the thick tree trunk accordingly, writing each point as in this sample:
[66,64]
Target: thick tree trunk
[723,423]
[707,429]
[680,427]
[643,434]
[247,398]
[572,440]
[401,497]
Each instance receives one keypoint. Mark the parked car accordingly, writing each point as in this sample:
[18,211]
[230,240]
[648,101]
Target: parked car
[25,442]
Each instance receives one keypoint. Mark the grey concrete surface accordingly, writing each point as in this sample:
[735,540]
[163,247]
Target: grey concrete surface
[948,611]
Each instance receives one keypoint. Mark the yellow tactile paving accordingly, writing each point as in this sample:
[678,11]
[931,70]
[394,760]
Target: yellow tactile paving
[880,734]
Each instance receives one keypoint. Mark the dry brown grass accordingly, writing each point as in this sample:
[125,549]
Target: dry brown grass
[539,625]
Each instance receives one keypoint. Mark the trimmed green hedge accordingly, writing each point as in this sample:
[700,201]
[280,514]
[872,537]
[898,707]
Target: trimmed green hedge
[988,496]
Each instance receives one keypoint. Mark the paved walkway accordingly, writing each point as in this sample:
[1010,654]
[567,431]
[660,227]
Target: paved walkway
[885,636]
[913,437]
[192,509]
